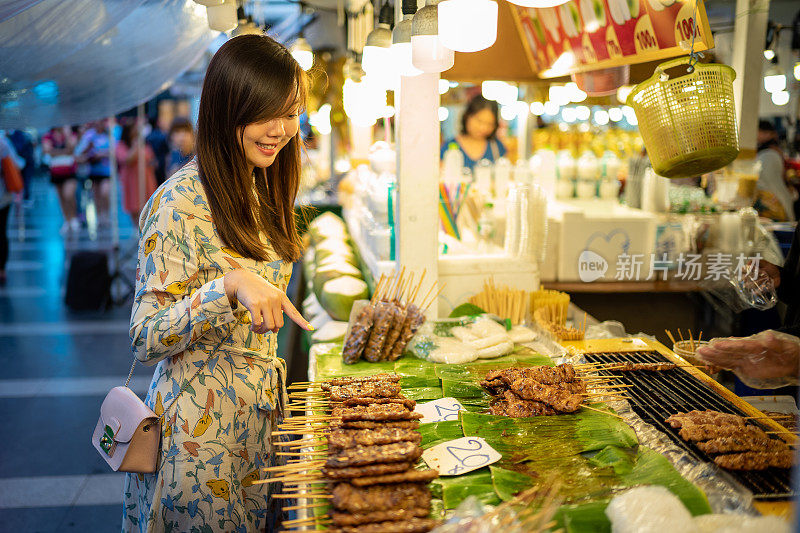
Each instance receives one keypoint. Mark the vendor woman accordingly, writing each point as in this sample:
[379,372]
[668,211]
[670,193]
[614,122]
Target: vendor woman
[478,138]
[217,244]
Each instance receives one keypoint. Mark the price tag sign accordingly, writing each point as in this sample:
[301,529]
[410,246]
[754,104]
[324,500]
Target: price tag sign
[460,456]
[441,410]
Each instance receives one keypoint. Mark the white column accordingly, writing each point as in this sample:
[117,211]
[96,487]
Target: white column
[748,38]
[417,220]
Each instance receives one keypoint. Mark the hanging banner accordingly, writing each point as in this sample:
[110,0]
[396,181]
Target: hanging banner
[594,34]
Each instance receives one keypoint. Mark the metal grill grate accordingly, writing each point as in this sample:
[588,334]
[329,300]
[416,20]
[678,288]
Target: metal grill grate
[657,395]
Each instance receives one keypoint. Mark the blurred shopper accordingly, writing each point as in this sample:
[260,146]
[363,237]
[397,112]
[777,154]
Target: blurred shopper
[24,147]
[157,141]
[93,148]
[6,153]
[774,200]
[134,195]
[216,252]
[478,138]
[181,138]
[59,146]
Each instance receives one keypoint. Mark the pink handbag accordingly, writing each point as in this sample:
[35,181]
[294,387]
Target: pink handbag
[128,432]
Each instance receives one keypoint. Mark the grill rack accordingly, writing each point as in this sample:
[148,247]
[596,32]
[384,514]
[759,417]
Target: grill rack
[655,396]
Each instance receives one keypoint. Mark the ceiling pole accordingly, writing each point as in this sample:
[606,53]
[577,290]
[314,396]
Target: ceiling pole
[749,35]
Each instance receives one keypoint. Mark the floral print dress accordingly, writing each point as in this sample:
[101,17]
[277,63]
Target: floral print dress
[216,438]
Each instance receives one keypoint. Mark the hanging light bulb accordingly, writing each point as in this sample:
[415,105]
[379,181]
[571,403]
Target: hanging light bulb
[537,108]
[207,3]
[615,114]
[623,92]
[492,89]
[222,17]
[376,58]
[401,42]
[796,71]
[427,51]
[467,25]
[780,97]
[539,3]
[302,53]
[774,80]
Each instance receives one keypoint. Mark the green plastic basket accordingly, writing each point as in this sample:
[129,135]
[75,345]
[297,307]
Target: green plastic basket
[687,118]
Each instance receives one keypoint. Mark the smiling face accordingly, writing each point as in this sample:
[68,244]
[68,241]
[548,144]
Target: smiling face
[261,141]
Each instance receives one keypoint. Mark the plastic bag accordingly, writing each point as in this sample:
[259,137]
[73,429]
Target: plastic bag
[755,289]
[766,360]
[461,340]
[649,510]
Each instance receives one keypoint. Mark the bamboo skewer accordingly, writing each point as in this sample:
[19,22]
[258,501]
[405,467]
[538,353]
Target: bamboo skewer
[601,411]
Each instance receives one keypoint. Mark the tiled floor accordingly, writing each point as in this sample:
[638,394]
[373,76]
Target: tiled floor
[57,366]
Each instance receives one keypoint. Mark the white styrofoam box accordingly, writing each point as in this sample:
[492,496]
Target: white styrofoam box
[603,230]
[465,274]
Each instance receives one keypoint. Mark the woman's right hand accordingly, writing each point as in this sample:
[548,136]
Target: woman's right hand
[265,302]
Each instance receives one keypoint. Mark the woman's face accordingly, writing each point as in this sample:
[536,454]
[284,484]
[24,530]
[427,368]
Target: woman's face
[263,140]
[481,124]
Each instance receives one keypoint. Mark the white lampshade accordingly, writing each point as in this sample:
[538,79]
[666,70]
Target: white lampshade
[428,54]
[302,53]
[538,3]
[222,17]
[377,58]
[467,25]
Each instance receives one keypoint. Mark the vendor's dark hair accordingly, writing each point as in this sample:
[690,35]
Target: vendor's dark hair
[476,104]
[181,124]
[251,78]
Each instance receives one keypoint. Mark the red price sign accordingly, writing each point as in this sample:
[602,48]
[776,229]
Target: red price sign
[687,27]
[644,36]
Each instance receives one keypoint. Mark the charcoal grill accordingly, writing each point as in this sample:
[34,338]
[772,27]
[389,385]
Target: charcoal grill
[654,396]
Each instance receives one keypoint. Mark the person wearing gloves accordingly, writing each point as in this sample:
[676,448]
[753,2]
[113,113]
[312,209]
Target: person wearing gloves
[217,244]
[769,359]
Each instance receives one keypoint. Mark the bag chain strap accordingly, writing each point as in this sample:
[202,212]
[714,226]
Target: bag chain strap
[186,384]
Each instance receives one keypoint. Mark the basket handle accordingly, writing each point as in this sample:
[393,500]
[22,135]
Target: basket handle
[670,70]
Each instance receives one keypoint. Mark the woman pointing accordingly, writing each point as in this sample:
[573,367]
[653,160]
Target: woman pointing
[217,244]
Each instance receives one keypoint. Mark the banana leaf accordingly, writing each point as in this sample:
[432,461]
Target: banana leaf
[508,483]
[436,432]
[456,489]
[587,517]
[462,389]
[421,394]
[475,372]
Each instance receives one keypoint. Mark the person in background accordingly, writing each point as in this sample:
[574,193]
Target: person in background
[93,148]
[774,199]
[58,145]
[127,151]
[23,146]
[181,138]
[6,198]
[478,138]
[157,141]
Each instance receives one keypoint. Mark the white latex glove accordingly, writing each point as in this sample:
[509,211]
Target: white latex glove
[766,360]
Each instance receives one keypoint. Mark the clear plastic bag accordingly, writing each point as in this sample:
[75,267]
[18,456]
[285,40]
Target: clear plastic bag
[766,360]
[755,289]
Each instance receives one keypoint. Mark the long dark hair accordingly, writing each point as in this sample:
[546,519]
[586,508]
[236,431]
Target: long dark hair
[476,104]
[251,78]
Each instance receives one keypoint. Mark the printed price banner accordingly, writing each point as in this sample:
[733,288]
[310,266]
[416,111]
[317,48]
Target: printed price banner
[460,456]
[586,35]
[441,410]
